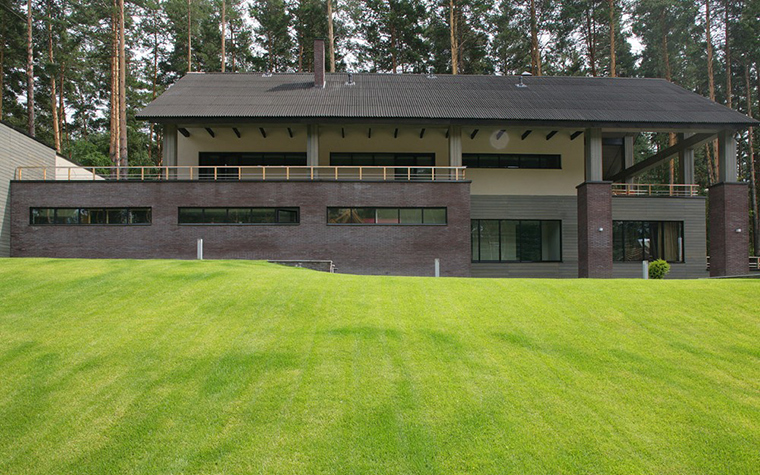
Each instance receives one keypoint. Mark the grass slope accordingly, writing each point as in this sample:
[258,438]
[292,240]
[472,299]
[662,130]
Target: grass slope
[236,367]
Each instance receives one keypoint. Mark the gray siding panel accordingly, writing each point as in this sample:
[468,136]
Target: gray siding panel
[564,208]
[16,150]
[689,210]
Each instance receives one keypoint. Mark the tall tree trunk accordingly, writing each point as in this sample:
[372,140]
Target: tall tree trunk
[591,40]
[63,127]
[29,70]
[270,50]
[53,79]
[752,171]
[665,53]
[669,77]
[394,59]
[453,37]
[123,159]
[729,86]
[114,137]
[189,38]
[300,54]
[224,33]
[535,54]
[712,160]
[155,82]
[613,66]
[232,47]
[331,35]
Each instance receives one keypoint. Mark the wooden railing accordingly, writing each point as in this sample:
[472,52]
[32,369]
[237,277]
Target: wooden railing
[234,173]
[651,189]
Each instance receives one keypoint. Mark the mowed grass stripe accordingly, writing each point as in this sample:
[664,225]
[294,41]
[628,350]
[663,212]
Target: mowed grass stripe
[246,367]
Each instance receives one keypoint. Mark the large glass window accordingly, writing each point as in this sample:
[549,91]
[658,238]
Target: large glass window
[90,216]
[511,160]
[398,216]
[383,159]
[647,240]
[230,161]
[238,216]
[408,165]
[506,240]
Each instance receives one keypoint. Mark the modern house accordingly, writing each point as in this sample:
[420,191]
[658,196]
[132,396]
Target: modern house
[384,174]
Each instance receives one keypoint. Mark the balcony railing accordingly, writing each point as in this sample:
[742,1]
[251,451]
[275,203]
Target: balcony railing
[233,173]
[645,189]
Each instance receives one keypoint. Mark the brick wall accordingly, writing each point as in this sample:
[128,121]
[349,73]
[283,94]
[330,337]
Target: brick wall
[594,246]
[729,249]
[396,250]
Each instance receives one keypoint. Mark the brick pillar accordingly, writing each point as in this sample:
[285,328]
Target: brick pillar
[729,233]
[595,213]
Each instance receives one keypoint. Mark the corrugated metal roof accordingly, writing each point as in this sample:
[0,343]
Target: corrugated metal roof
[251,96]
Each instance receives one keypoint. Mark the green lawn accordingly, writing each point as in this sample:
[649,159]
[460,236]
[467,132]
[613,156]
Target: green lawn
[231,367]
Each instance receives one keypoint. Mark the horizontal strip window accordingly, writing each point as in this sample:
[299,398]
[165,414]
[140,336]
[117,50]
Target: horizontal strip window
[251,159]
[228,162]
[90,216]
[505,240]
[382,159]
[636,241]
[405,163]
[387,216]
[511,160]
[243,216]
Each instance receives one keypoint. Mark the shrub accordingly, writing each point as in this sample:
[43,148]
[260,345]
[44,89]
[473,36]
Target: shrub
[658,269]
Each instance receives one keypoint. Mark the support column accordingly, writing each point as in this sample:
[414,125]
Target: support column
[686,163]
[312,145]
[728,171]
[455,146]
[594,214]
[628,154]
[729,229]
[594,170]
[729,211]
[169,158]
[595,229]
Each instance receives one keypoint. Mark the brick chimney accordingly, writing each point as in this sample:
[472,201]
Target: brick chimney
[319,63]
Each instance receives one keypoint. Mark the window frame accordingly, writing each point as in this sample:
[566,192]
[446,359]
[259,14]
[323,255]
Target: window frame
[398,208]
[506,157]
[642,237]
[395,156]
[275,209]
[79,213]
[518,239]
[229,171]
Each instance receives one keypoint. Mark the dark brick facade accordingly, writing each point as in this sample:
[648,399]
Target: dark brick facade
[595,246]
[360,249]
[729,249]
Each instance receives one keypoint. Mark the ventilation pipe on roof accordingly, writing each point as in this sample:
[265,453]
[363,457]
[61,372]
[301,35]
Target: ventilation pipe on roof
[350,81]
[319,63]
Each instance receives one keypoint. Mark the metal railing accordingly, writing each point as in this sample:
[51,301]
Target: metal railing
[235,173]
[653,189]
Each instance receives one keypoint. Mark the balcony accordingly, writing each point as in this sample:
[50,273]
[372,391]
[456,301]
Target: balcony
[648,189]
[244,173]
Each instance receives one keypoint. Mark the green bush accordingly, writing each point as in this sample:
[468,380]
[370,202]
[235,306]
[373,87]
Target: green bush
[658,269]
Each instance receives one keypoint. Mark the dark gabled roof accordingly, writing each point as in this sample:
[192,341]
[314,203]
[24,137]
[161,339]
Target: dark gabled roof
[571,101]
